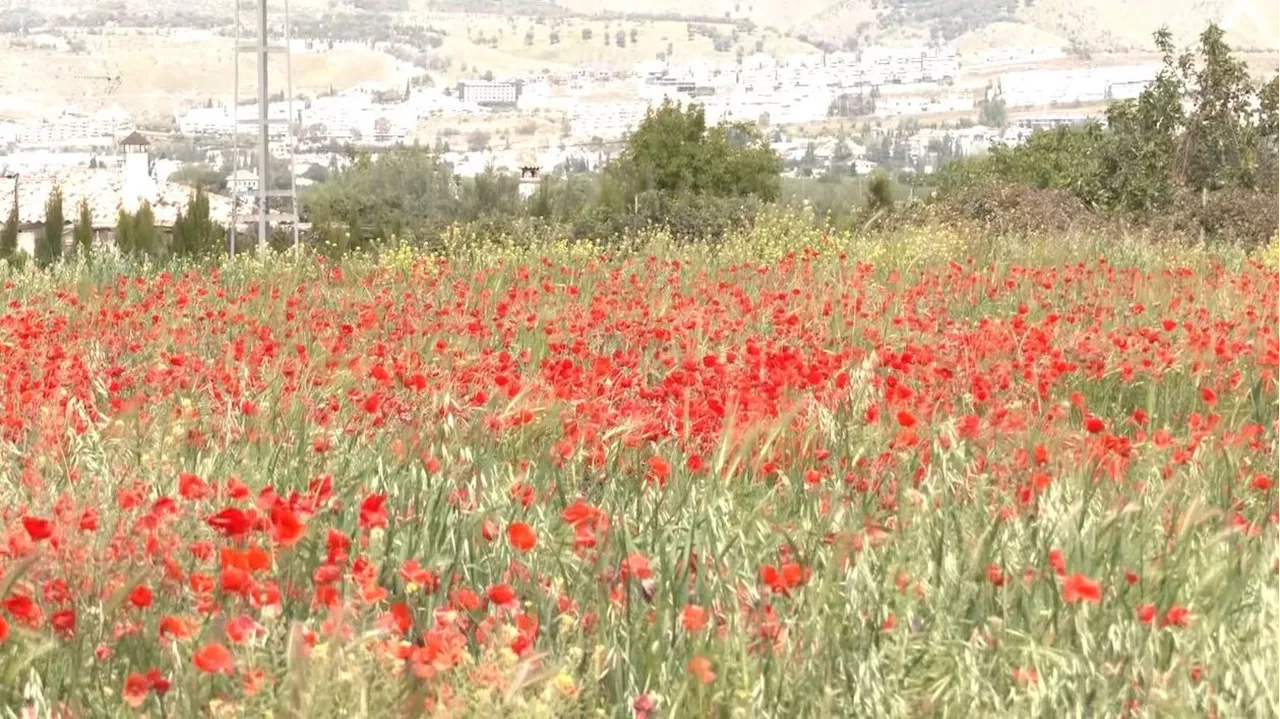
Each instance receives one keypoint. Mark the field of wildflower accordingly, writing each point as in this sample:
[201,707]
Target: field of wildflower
[901,479]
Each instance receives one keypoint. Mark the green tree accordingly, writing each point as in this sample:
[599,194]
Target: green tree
[146,238]
[1219,147]
[9,233]
[1268,137]
[490,194]
[125,240]
[409,183]
[83,232]
[880,193]
[49,245]
[194,233]
[355,231]
[992,113]
[477,140]
[1200,126]
[673,151]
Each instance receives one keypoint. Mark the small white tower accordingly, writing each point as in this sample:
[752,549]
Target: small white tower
[137,185]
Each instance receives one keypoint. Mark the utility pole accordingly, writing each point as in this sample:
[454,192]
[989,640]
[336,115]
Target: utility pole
[285,209]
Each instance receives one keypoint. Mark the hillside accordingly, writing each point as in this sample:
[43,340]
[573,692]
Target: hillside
[1098,25]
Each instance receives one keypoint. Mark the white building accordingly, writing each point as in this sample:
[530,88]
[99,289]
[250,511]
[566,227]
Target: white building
[1020,55]
[75,130]
[1042,88]
[606,120]
[138,185]
[489,93]
[534,95]
[106,190]
[221,120]
[243,181]
[910,64]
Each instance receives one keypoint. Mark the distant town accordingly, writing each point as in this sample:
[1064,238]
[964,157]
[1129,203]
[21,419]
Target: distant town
[905,109]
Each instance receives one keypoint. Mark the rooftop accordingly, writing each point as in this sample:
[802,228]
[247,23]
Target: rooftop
[103,189]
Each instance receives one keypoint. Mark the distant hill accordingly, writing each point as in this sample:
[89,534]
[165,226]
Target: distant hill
[1094,25]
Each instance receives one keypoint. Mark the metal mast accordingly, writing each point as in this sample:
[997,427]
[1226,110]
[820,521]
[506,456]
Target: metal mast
[262,205]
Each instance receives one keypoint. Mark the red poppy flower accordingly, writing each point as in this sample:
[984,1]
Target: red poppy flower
[140,597]
[1177,616]
[521,536]
[464,599]
[213,658]
[1094,425]
[37,528]
[235,580]
[401,618]
[659,470]
[232,522]
[995,575]
[1079,588]
[157,682]
[136,688]
[1058,562]
[373,513]
[174,627]
[286,527]
[1146,613]
[906,420]
[700,669]
[694,618]
[242,628]
[500,594]
[22,608]
[580,513]
[192,488]
[63,621]
[413,572]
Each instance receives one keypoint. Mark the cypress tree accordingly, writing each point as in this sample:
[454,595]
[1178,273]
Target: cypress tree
[9,233]
[50,251]
[83,232]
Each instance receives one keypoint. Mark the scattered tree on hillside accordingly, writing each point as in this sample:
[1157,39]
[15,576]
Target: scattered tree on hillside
[992,113]
[477,140]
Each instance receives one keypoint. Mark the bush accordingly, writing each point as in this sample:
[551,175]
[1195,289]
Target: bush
[1011,208]
[1246,217]
[695,218]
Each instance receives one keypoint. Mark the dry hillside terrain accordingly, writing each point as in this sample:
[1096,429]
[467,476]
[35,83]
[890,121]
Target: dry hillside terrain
[1099,25]
[195,66]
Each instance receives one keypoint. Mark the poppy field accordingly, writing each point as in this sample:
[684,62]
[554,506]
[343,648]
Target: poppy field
[642,487]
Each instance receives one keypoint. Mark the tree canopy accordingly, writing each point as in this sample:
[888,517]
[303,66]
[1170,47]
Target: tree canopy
[1201,126]
[674,151]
